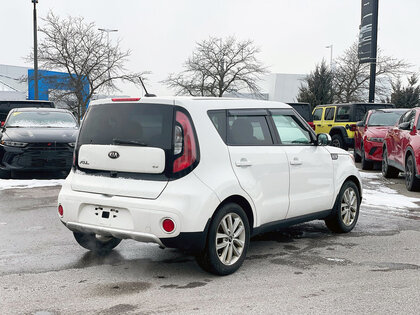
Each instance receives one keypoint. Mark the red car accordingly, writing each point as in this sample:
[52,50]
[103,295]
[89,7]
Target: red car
[370,134]
[401,149]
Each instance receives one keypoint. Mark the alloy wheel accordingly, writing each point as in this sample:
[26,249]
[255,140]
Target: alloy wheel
[230,238]
[348,206]
[384,163]
[409,173]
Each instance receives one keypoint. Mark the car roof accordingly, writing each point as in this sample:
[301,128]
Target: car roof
[390,110]
[35,109]
[204,103]
[26,101]
[355,103]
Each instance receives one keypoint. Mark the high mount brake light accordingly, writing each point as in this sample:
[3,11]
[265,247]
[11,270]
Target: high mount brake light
[126,99]
[184,143]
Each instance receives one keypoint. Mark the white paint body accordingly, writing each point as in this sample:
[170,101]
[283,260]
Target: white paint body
[280,182]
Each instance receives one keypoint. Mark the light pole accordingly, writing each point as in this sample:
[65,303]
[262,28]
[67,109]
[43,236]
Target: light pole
[107,30]
[331,55]
[35,53]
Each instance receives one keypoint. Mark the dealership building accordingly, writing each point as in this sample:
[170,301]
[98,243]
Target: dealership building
[14,85]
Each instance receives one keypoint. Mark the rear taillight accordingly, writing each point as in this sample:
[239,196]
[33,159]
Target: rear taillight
[60,210]
[311,124]
[352,127]
[184,143]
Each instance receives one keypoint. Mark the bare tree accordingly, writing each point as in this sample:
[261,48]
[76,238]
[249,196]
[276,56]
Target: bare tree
[219,66]
[79,49]
[351,79]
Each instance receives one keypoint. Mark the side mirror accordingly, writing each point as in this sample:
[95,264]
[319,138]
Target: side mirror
[360,124]
[2,124]
[323,139]
[404,126]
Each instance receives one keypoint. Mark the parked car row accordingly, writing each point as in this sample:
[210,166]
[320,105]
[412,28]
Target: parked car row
[40,138]
[378,133]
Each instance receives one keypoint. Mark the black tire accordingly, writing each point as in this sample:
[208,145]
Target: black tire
[5,174]
[411,181]
[366,164]
[338,141]
[209,259]
[92,243]
[387,170]
[356,156]
[336,222]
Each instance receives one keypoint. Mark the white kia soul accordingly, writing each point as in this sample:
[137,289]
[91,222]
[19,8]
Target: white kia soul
[202,175]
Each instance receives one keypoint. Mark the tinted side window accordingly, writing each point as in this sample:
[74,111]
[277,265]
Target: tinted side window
[343,113]
[218,118]
[248,130]
[329,113]
[318,114]
[290,131]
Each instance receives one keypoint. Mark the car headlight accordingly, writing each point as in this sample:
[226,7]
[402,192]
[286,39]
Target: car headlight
[72,144]
[373,139]
[14,143]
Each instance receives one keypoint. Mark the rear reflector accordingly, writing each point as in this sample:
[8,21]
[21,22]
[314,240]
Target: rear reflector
[126,99]
[60,210]
[168,225]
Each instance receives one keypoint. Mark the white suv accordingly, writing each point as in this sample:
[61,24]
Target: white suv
[202,175]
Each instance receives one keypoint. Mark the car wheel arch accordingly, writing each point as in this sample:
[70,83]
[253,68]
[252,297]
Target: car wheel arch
[244,203]
[410,152]
[338,130]
[355,180]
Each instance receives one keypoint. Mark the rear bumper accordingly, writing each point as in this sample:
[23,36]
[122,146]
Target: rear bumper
[187,202]
[118,233]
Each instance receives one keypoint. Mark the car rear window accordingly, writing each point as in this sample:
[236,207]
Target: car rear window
[145,124]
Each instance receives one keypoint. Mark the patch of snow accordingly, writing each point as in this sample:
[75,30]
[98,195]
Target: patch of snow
[384,197]
[335,259]
[29,183]
[367,175]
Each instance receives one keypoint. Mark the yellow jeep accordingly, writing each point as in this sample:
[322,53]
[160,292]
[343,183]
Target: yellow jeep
[339,120]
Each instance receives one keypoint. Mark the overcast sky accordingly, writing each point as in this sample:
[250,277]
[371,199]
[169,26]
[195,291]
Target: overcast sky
[292,34]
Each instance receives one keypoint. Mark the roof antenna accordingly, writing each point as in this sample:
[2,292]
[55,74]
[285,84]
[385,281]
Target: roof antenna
[144,87]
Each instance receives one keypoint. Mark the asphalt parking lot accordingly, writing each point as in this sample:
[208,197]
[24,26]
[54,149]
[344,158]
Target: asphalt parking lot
[302,269]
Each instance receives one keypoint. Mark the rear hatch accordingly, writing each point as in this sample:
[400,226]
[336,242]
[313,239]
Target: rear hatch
[124,149]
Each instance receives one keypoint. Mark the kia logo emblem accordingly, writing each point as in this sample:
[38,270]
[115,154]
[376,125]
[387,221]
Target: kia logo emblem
[114,155]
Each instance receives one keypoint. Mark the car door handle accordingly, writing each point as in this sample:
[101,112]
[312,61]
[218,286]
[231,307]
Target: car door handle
[319,125]
[243,163]
[329,125]
[296,161]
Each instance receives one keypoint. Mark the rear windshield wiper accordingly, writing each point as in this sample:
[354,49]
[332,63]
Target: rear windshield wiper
[129,142]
